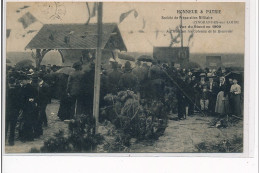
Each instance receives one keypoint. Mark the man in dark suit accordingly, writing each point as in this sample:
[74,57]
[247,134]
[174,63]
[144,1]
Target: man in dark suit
[128,81]
[13,106]
[74,87]
[181,104]
[113,78]
[30,126]
[44,98]
[213,91]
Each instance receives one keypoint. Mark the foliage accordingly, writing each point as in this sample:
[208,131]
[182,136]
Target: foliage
[82,134]
[81,138]
[57,144]
[133,119]
[225,146]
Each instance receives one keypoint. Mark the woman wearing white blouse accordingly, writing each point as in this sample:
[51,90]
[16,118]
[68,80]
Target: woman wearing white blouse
[235,97]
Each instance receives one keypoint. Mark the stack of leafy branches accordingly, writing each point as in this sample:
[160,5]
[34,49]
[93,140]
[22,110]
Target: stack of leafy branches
[133,119]
[234,145]
[81,138]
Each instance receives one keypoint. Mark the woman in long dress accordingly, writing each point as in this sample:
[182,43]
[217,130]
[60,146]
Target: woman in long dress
[222,103]
[235,91]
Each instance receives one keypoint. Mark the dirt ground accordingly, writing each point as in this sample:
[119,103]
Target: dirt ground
[180,136]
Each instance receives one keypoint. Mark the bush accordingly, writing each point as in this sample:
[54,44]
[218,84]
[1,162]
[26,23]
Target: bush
[82,134]
[57,144]
[132,119]
[81,138]
[234,145]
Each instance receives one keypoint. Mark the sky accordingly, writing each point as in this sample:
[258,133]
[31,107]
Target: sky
[151,13]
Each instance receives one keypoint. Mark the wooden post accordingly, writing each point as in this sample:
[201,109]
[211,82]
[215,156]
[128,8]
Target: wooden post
[98,66]
[39,56]
[181,32]
[38,59]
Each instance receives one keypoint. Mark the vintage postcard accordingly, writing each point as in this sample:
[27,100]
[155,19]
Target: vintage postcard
[124,77]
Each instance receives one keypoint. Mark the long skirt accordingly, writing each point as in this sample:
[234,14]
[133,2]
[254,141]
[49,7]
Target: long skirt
[222,104]
[236,107]
[29,126]
[66,110]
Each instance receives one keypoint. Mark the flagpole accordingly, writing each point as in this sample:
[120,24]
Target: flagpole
[98,67]
[181,33]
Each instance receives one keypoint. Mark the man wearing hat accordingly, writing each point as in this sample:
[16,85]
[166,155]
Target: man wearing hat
[155,75]
[113,78]
[213,91]
[13,106]
[128,81]
[74,86]
[29,126]
[199,87]
[44,98]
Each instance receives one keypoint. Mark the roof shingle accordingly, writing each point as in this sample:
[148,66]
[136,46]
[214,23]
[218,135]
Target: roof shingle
[75,36]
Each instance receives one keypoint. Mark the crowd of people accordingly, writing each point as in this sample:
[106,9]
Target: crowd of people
[27,96]
[210,92]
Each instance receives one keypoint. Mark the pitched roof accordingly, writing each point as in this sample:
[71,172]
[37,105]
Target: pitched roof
[76,36]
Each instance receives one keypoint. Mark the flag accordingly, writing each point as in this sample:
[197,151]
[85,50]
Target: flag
[156,33]
[135,14]
[174,39]
[190,37]
[22,8]
[92,9]
[124,15]
[31,31]
[27,19]
[144,23]
[8,31]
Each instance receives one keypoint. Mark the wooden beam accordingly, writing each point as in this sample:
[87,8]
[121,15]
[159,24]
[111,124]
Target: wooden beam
[37,58]
[61,54]
[98,67]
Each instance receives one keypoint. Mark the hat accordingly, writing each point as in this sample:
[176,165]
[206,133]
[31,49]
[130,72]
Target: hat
[202,74]
[209,75]
[128,66]
[112,60]
[77,65]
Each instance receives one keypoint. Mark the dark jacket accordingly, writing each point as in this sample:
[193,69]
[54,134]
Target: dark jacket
[112,81]
[44,94]
[13,99]
[74,86]
[128,82]
[225,88]
[213,88]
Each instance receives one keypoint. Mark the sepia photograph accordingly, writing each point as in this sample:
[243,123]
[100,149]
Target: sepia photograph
[124,77]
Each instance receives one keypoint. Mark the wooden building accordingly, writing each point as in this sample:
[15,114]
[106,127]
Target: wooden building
[75,40]
[177,55]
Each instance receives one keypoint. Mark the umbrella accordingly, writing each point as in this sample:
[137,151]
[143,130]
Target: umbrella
[145,58]
[66,70]
[126,57]
[24,63]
